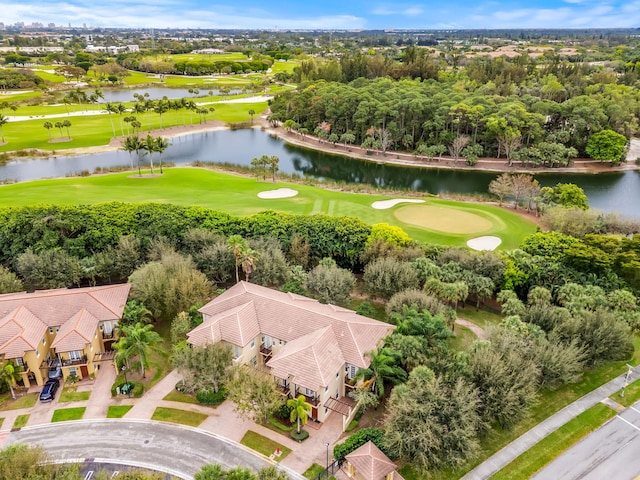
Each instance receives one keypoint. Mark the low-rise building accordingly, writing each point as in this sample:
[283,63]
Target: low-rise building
[70,327]
[369,463]
[311,349]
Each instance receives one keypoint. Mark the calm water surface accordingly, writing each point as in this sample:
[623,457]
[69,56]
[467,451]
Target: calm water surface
[156,93]
[615,192]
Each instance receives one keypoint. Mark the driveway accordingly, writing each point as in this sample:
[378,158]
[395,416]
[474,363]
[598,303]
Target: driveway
[174,449]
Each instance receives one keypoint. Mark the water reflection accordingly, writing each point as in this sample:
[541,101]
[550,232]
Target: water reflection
[615,192]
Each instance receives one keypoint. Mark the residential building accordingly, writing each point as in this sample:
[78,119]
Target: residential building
[369,463]
[73,327]
[311,349]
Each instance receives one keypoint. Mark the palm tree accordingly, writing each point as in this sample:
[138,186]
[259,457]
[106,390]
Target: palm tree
[248,259]
[273,162]
[132,143]
[137,340]
[150,146]
[237,245]
[120,109]
[3,120]
[8,376]
[161,145]
[67,124]
[252,112]
[48,126]
[160,108]
[300,410]
[383,366]
[59,126]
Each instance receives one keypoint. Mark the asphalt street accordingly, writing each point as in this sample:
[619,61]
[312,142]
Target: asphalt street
[173,449]
[611,452]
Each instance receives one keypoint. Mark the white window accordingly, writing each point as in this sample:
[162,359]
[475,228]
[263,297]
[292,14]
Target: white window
[37,353]
[268,341]
[73,372]
[309,393]
[51,330]
[107,327]
[237,351]
[57,329]
[352,371]
[75,355]
[326,389]
[20,362]
[43,342]
[253,343]
[254,361]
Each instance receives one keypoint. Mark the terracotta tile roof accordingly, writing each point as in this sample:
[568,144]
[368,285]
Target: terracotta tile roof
[287,316]
[20,332]
[25,317]
[54,307]
[371,463]
[76,332]
[310,361]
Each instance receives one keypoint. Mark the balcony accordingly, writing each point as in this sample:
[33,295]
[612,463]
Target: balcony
[285,390]
[107,336]
[68,362]
[266,352]
[313,401]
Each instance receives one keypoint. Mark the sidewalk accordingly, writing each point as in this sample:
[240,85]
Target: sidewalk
[529,439]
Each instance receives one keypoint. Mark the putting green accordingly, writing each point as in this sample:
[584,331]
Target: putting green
[443,219]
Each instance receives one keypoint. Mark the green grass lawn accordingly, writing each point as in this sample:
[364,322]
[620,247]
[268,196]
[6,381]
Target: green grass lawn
[65,414]
[158,358]
[483,318]
[174,415]
[92,130]
[26,401]
[21,421]
[118,411]
[237,195]
[631,394]
[1,421]
[69,394]
[552,446]
[177,396]
[313,471]
[264,445]
[463,339]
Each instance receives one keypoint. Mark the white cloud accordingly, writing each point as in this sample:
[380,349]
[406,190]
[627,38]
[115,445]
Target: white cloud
[405,10]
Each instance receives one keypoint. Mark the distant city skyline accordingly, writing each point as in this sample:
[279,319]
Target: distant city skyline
[330,14]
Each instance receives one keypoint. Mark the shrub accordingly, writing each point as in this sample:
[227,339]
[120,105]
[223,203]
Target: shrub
[207,397]
[303,435]
[385,277]
[136,391]
[285,428]
[355,441]
[283,413]
[352,426]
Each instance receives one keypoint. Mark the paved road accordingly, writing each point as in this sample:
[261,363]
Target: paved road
[173,449]
[529,439]
[609,452]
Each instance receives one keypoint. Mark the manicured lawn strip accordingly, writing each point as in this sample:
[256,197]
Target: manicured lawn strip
[483,318]
[158,359]
[118,411]
[174,415]
[313,471]
[552,446]
[631,394]
[264,445]
[237,195]
[26,401]
[21,421]
[95,130]
[176,396]
[65,414]
[549,402]
[69,394]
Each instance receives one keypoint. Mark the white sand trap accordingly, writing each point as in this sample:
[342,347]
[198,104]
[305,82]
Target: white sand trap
[484,243]
[279,193]
[384,204]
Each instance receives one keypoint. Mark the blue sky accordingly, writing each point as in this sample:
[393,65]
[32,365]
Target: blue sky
[327,14]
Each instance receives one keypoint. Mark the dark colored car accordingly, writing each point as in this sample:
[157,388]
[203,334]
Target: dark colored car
[49,390]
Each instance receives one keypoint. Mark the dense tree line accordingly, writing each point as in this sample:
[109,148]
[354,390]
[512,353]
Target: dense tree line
[136,61]
[532,123]
[18,78]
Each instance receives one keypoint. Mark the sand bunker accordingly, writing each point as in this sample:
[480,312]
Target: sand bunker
[484,243]
[279,193]
[384,204]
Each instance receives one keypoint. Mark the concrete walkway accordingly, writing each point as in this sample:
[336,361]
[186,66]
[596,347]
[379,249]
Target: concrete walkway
[529,439]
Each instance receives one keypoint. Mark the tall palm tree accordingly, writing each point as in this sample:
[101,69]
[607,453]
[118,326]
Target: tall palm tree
[130,144]
[111,108]
[300,410]
[59,126]
[120,109]
[67,124]
[248,259]
[161,145]
[137,340]
[48,126]
[237,245]
[150,146]
[161,108]
[252,112]
[3,121]
[384,366]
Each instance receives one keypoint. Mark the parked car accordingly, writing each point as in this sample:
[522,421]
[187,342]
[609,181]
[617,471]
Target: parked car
[49,390]
[55,372]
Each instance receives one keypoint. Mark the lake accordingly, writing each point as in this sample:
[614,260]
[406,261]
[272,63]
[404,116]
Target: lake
[614,192]
[156,93]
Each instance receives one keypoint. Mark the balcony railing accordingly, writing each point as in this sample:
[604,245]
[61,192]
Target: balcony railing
[313,401]
[266,351]
[284,390]
[107,336]
[66,362]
